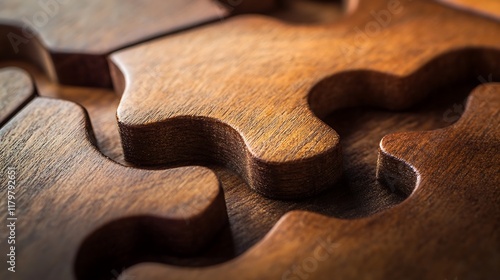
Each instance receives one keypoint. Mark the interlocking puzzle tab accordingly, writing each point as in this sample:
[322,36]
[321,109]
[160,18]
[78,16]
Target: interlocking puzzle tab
[66,193]
[456,198]
[246,99]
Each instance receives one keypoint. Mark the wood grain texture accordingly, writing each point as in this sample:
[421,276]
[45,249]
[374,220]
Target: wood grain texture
[251,99]
[99,103]
[251,216]
[447,229]
[70,39]
[484,7]
[77,209]
[16,89]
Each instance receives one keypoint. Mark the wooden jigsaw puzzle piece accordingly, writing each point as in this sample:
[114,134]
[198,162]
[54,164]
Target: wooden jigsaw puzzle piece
[75,208]
[70,39]
[447,229]
[16,89]
[251,216]
[100,104]
[244,99]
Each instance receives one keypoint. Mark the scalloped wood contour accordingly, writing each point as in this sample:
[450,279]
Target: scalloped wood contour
[77,209]
[447,229]
[70,39]
[250,98]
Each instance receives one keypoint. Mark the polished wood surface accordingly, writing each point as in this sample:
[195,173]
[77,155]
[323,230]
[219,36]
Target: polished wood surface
[418,189]
[100,104]
[258,113]
[16,89]
[71,39]
[447,229]
[72,201]
[485,7]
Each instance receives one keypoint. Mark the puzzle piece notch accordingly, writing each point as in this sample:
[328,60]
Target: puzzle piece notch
[267,99]
[59,37]
[479,122]
[448,224]
[16,90]
[67,193]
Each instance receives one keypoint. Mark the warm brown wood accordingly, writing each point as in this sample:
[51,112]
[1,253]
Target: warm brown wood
[308,11]
[484,7]
[246,99]
[100,104]
[76,209]
[16,89]
[70,39]
[251,216]
[357,195]
[447,229]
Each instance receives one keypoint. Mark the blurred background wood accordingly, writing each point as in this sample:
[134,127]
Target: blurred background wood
[484,7]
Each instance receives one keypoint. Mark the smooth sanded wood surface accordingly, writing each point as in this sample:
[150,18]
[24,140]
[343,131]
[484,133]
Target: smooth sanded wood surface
[77,209]
[70,39]
[99,103]
[251,215]
[16,89]
[484,7]
[358,194]
[251,99]
[447,229]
